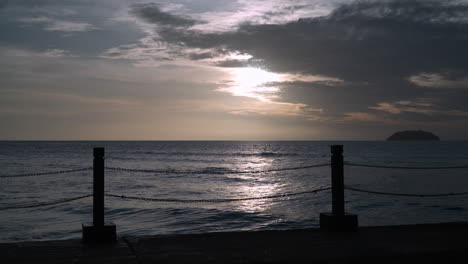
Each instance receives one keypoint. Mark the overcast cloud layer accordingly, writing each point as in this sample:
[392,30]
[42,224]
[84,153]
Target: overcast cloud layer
[232,69]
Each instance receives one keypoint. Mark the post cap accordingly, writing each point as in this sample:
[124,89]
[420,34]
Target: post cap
[98,152]
[336,149]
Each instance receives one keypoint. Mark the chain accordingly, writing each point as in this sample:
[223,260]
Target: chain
[46,203]
[403,167]
[45,173]
[214,172]
[405,194]
[216,200]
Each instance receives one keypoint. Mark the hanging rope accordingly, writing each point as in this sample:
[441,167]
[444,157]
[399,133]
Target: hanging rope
[215,172]
[45,173]
[41,204]
[216,200]
[406,194]
[404,167]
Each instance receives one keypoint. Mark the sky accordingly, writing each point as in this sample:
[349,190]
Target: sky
[232,69]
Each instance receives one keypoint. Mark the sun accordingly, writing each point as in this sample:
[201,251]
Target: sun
[254,76]
[253,82]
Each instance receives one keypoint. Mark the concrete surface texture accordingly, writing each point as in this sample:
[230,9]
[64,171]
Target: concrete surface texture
[428,243]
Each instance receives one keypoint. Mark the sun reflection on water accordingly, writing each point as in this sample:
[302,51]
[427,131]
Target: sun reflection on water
[255,185]
[262,189]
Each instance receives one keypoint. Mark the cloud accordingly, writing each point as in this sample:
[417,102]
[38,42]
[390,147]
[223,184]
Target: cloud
[385,39]
[57,53]
[438,80]
[401,107]
[361,116]
[51,24]
[234,13]
[3,3]
[367,61]
[67,26]
[232,63]
[271,108]
[152,13]
[428,11]
[146,52]
[16,53]
[32,20]
[381,52]
[278,15]
[201,55]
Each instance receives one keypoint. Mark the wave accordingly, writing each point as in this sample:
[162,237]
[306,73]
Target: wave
[454,208]
[230,154]
[209,170]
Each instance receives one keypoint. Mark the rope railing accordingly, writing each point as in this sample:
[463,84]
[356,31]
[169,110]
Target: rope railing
[45,173]
[170,200]
[406,194]
[336,220]
[41,204]
[218,172]
[404,167]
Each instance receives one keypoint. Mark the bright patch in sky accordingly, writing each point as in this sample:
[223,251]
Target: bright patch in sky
[253,82]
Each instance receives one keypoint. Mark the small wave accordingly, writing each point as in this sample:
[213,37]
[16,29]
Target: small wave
[223,215]
[455,208]
[272,154]
[240,154]
[237,179]
[209,220]
[126,211]
[120,158]
[370,206]
[208,170]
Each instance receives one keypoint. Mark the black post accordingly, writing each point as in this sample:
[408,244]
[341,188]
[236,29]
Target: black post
[99,231]
[98,187]
[337,180]
[338,220]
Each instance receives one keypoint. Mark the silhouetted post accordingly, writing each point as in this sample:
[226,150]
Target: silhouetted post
[99,231]
[338,220]
[337,180]
[98,187]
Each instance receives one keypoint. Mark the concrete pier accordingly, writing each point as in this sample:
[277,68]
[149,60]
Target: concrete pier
[427,243]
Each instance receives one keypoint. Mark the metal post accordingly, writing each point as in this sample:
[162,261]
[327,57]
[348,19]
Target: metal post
[98,231]
[98,187]
[337,180]
[338,220]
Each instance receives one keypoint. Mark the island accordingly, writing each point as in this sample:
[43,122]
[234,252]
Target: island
[413,135]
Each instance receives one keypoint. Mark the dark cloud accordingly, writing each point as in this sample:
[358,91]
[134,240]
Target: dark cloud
[201,56]
[3,3]
[59,3]
[360,41]
[21,26]
[152,13]
[285,11]
[428,11]
[374,46]
[201,6]
[232,63]
[240,63]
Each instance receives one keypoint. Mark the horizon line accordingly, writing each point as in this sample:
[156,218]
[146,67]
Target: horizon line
[214,140]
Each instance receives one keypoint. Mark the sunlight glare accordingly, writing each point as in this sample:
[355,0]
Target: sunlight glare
[253,82]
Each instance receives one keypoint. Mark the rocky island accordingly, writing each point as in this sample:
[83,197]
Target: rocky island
[413,135]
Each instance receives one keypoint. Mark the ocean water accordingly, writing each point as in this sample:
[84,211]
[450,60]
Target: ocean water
[209,170]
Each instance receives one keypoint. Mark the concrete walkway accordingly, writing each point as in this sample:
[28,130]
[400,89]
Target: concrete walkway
[431,243]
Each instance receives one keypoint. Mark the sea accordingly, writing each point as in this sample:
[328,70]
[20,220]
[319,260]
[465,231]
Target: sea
[214,170]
